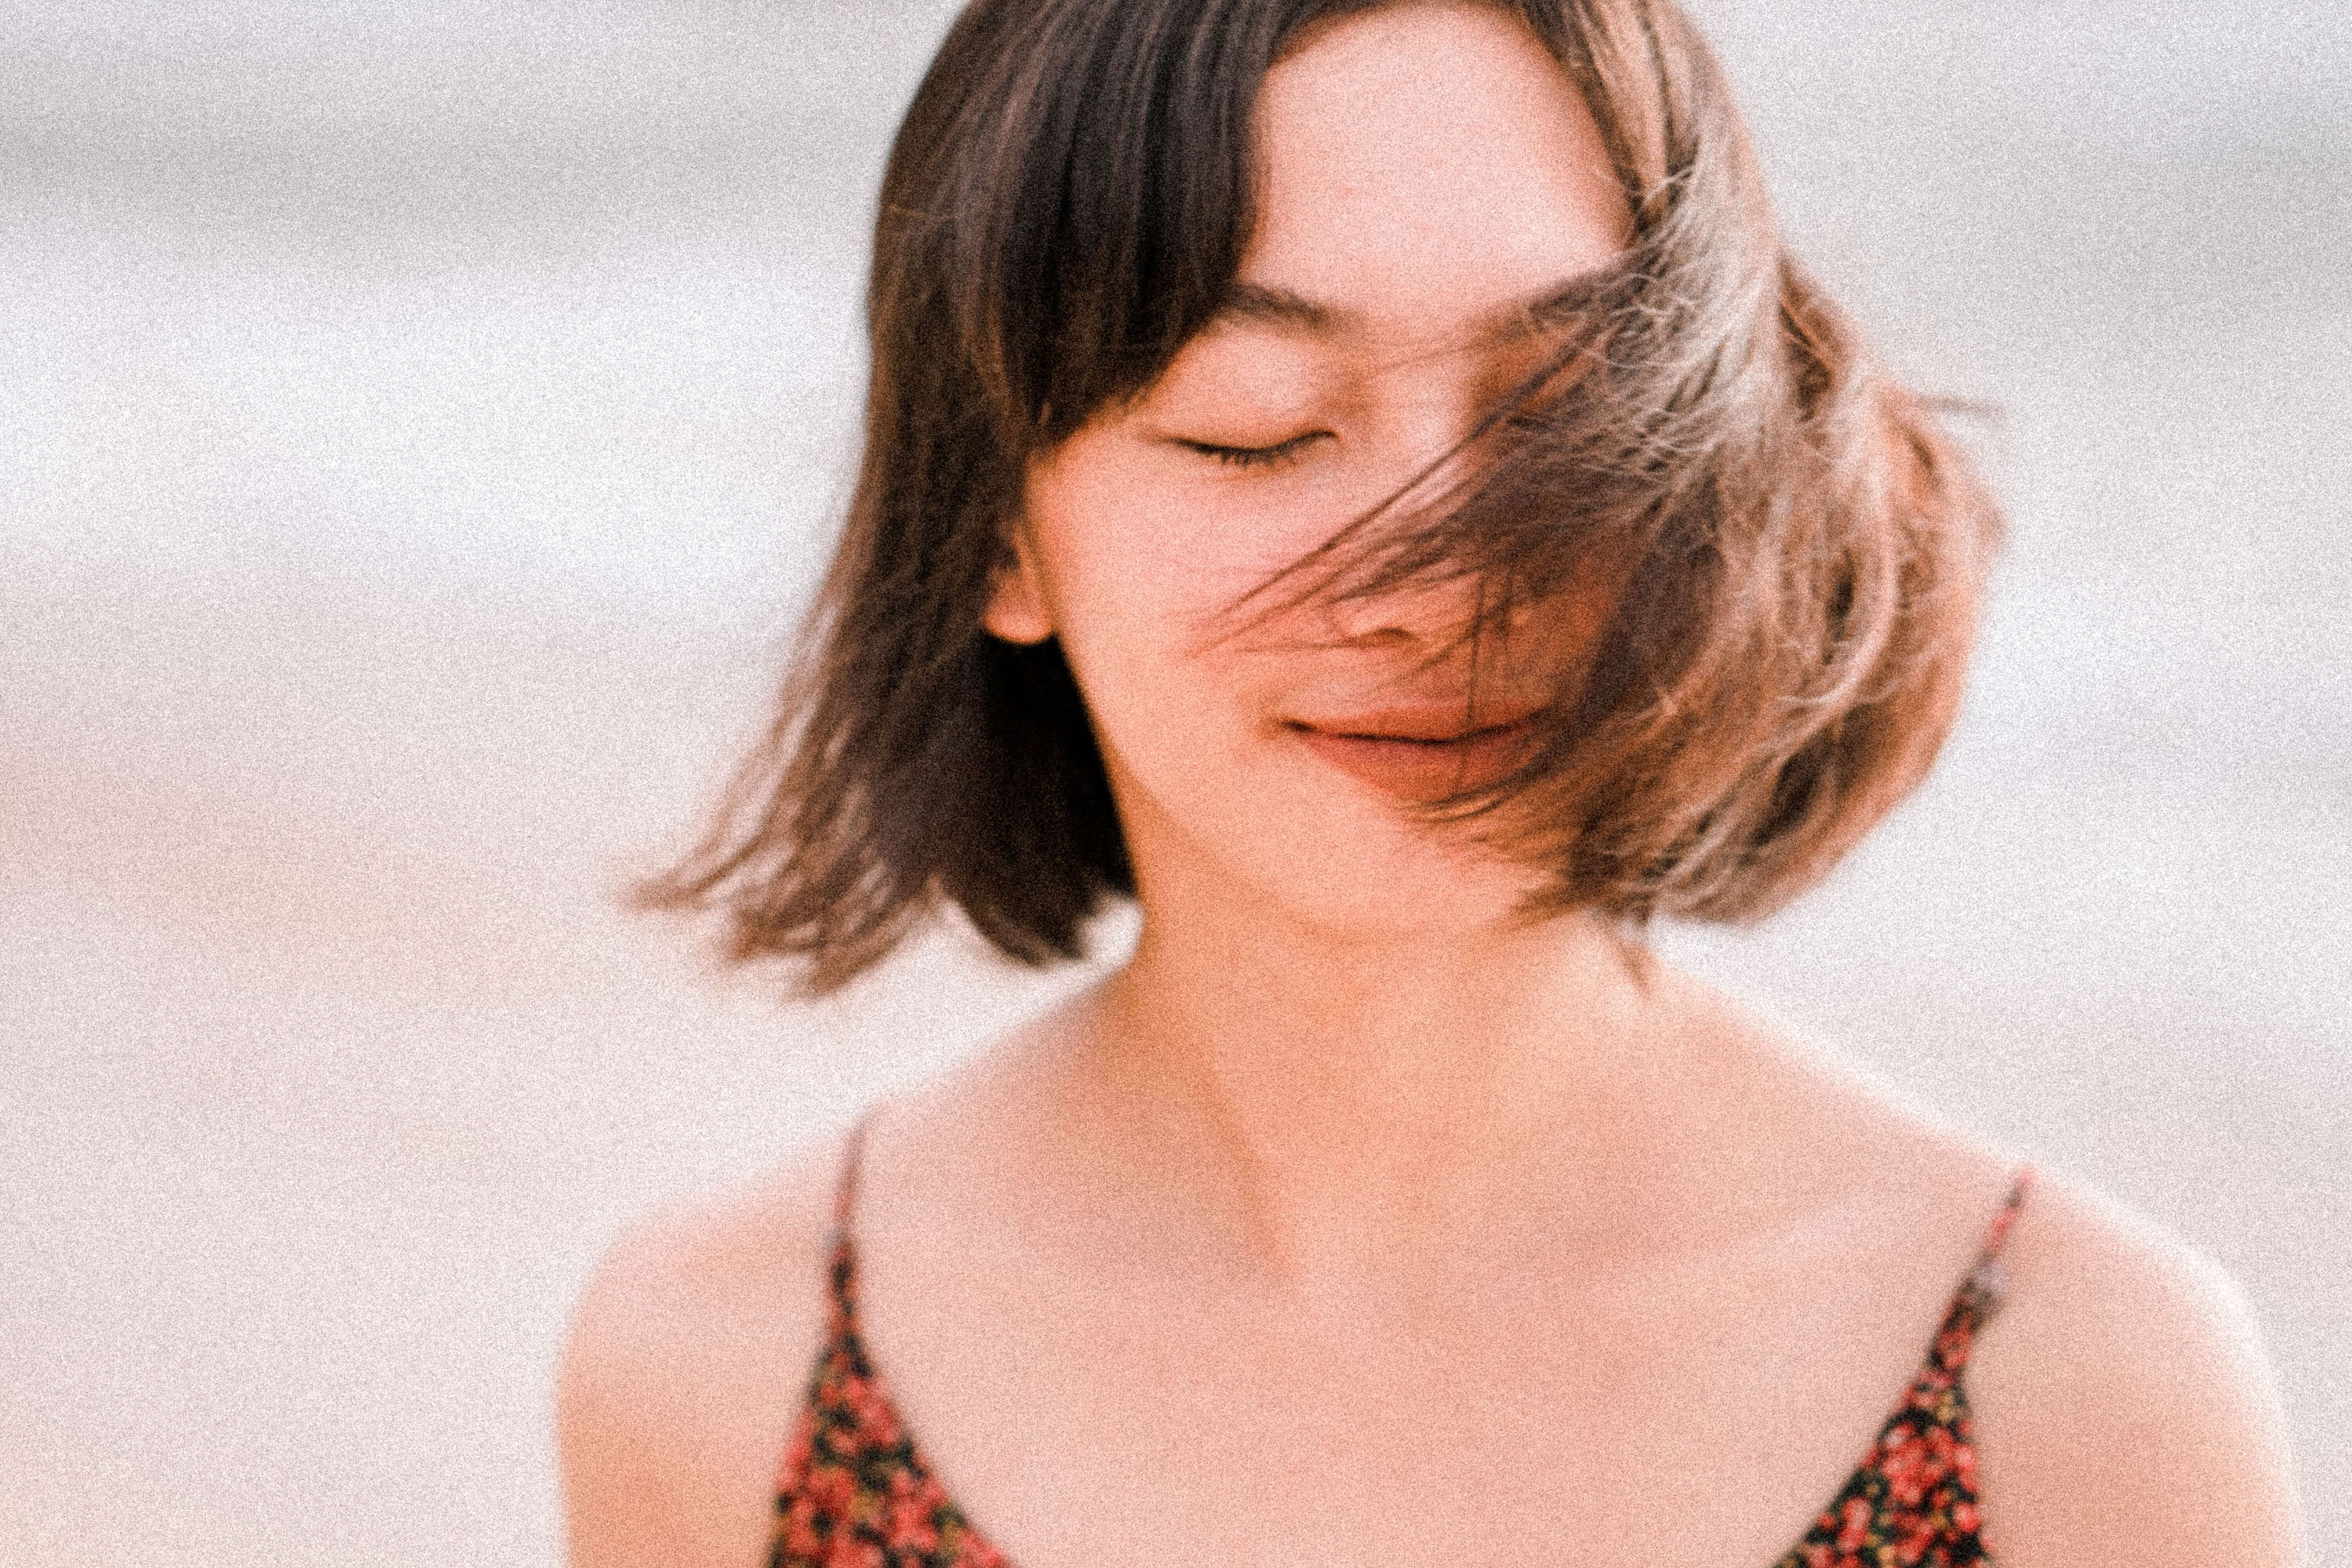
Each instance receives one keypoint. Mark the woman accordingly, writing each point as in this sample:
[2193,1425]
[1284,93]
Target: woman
[1364,480]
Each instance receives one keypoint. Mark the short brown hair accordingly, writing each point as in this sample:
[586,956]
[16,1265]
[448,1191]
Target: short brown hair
[1066,205]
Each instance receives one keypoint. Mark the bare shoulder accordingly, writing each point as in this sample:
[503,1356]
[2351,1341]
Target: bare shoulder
[687,1362]
[2125,1410]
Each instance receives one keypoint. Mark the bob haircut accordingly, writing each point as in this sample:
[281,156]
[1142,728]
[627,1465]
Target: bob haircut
[1066,204]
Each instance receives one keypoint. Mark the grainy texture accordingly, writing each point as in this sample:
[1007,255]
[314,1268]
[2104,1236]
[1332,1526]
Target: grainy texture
[419,417]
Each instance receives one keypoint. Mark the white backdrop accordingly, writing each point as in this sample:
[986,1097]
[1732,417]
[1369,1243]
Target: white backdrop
[418,419]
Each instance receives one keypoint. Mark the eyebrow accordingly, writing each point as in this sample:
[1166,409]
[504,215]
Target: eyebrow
[1552,305]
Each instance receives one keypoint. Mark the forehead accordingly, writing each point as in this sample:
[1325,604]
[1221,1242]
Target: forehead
[1422,167]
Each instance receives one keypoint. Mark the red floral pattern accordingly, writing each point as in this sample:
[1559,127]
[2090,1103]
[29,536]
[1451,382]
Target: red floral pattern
[1913,1501]
[855,1492]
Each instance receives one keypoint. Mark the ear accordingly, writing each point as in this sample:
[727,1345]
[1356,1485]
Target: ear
[1017,610]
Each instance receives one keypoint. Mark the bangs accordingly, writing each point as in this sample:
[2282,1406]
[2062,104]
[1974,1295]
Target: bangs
[1104,225]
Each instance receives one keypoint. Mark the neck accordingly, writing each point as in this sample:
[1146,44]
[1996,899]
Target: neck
[1349,1098]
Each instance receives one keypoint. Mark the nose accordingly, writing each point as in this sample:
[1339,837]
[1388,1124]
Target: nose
[1419,442]
[1410,618]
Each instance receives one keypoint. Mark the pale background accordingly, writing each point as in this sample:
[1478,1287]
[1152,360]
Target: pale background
[418,418]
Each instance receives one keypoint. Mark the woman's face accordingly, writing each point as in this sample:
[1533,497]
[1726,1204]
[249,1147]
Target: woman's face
[1430,178]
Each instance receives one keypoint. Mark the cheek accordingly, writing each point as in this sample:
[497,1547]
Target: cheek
[1142,575]
[1126,592]
[1121,572]
[1574,626]
[1142,558]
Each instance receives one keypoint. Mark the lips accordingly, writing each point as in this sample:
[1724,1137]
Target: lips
[1419,753]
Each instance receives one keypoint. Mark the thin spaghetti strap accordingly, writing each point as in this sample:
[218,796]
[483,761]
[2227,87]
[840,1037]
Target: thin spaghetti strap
[1998,1236]
[840,1275]
[845,1188]
[1988,1282]
[1978,1297]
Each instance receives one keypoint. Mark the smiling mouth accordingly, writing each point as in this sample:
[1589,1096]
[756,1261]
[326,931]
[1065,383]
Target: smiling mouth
[1418,755]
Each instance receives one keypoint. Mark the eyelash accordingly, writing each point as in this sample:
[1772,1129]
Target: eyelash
[1253,457]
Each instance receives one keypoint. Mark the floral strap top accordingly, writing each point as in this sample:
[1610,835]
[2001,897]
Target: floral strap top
[855,1490]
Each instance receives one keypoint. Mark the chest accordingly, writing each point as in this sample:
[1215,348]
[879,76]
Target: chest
[1677,1410]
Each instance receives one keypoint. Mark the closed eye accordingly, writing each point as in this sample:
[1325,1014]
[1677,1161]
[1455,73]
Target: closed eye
[1255,457]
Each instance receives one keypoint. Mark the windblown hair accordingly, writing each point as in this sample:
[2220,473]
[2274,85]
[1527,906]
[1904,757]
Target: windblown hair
[1066,204]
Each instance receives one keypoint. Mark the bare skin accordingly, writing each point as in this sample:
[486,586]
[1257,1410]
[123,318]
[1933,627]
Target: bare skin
[1355,1222]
